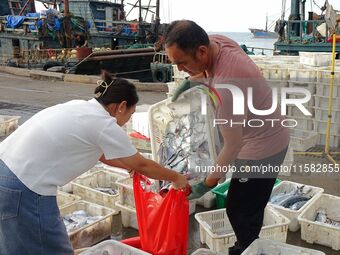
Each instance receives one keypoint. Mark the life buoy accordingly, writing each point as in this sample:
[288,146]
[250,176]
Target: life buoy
[160,75]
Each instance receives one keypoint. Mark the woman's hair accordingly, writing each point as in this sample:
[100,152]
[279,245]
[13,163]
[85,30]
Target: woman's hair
[113,90]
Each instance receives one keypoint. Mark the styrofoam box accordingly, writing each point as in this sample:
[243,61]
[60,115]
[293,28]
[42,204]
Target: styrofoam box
[317,232]
[204,252]
[85,188]
[334,140]
[65,199]
[302,140]
[216,230]
[321,127]
[292,215]
[129,215]
[311,86]
[323,89]
[296,112]
[322,102]
[261,246]
[275,73]
[303,123]
[303,75]
[322,115]
[111,247]
[92,233]
[8,124]
[315,58]
[310,103]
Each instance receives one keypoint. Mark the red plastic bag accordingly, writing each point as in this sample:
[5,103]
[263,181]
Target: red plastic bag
[163,222]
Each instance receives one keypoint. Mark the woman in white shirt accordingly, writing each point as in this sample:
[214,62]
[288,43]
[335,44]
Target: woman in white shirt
[52,148]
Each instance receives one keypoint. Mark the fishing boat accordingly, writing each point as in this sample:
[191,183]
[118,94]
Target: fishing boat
[263,33]
[123,46]
[306,34]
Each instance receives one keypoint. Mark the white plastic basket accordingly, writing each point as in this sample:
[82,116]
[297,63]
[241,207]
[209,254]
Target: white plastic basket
[277,84]
[111,247]
[321,127]
[322,102]
[322,115]
[204,252]
[310,86]
[310,103]
[303,75]
[261,246]
[161,113]
[92,233]
[125,189]
[302,140]
[334,140]
[296,112]
[292,215]
[323,89]
[315,58]
[208,200]
[275,73]
[324,76]
[216,231]
[85,188]
[8,124]
[129,215]
[65,199]
[303,123]
[317,232]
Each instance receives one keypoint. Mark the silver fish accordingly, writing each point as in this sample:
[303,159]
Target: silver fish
[289,201]
[109,191]
[78,219]
[297,206]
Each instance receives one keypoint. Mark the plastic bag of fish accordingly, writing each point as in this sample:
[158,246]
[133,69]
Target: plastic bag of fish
[294,199]
[78,219]
[321,216]
[185,145]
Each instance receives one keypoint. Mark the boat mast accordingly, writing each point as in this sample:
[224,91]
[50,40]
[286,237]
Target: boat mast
[157,22]
[266,22]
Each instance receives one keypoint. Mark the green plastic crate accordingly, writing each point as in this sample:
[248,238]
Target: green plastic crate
[221,192]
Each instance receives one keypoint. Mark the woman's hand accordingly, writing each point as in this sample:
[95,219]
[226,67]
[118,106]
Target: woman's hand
[181,182]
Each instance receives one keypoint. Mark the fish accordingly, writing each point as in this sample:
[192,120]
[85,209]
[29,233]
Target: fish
[184,145]
[291,200]
[109,191]
[321,216]
[294,199]
[297,206]
[78,219]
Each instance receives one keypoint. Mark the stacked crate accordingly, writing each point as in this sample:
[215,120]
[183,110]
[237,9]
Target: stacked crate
[321,107]
[311,71]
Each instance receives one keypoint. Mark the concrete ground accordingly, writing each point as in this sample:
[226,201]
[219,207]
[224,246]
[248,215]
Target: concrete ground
[24,97]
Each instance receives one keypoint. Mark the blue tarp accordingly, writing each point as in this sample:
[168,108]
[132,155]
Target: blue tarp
[14,21]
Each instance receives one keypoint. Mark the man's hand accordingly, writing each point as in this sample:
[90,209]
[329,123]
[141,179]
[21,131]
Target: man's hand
[186,84]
